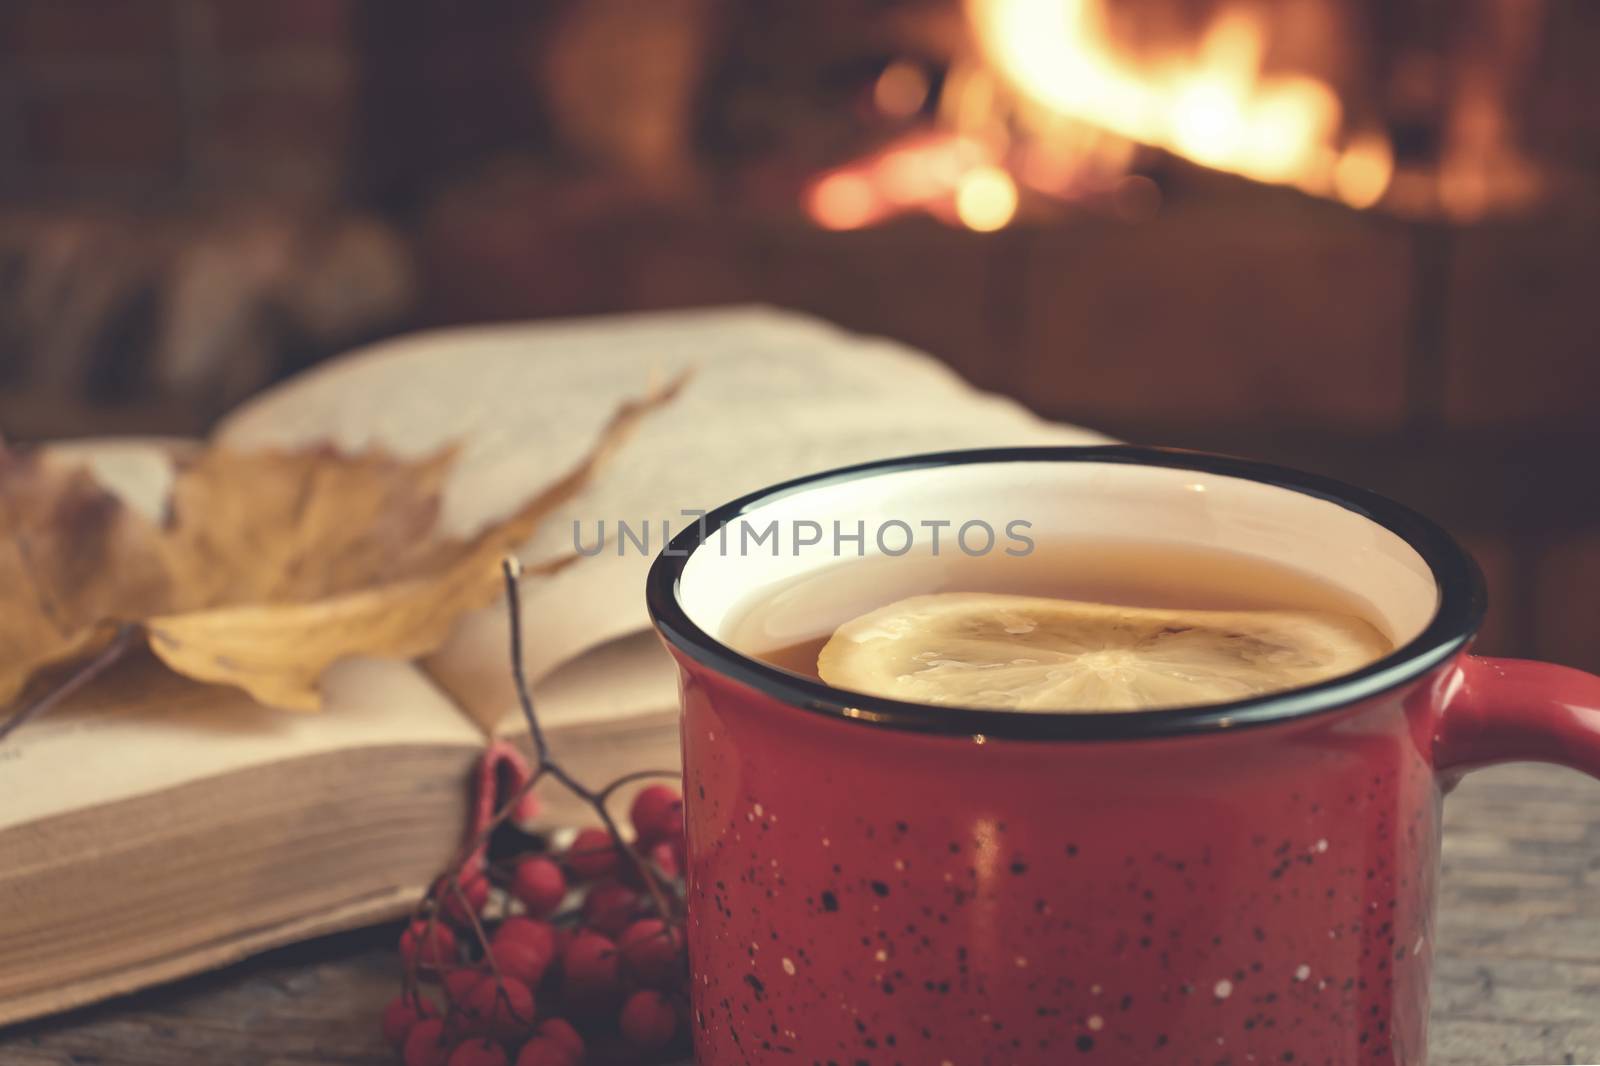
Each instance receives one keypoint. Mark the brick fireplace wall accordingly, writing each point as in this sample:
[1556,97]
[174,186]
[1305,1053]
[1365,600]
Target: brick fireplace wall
[163,100]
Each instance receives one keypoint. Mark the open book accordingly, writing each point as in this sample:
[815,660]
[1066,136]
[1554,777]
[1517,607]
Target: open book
[153,827]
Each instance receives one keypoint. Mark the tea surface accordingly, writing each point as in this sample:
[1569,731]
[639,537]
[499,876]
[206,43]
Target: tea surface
[788,627]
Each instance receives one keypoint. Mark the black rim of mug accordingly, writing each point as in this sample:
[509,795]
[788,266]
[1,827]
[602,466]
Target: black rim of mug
[1460,608]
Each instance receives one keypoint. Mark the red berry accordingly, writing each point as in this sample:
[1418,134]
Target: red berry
[543,1051]
[538,937]
[458,983]
[657,813]
[400,1015]
[590,966]
[428,944]
[664,856]
[427,1045]
[539,884]
[517,960]
[653,951]
[502,1008]
[479,1052]
[593,854]
[475,890]
[561,1031]
[610,908]
[648,1020]
[533,932]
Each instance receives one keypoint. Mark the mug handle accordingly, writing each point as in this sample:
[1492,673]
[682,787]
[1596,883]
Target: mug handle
[1514,710]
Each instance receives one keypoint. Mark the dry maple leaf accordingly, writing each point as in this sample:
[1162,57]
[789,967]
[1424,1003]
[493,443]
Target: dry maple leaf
[61,534]
[268,568]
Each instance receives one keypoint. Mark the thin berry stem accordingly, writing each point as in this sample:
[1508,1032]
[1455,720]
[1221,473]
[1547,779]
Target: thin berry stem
[511,568]
[477,928]
[478,840]
[429,911]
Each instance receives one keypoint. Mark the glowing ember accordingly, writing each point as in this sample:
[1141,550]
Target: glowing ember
[844,201]
[930,171]
[1363,172]
[986,199]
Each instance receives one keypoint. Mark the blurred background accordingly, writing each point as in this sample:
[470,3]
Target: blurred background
[1357,236]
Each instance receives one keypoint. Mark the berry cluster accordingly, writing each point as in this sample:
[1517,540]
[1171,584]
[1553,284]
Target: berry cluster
[552,958]
[544,955]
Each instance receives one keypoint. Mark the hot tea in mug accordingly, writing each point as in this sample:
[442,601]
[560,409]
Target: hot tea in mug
[1086,624]
[1163,789]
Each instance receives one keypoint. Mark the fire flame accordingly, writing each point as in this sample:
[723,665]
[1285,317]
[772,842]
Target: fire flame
[1052,103]
[1213,105]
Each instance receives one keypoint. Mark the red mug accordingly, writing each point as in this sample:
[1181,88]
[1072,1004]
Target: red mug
[872,881]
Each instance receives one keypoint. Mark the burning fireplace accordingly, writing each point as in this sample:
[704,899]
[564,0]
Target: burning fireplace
[1358,236]
[1060,100]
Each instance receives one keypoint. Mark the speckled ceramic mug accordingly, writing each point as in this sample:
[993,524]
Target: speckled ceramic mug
[880,882]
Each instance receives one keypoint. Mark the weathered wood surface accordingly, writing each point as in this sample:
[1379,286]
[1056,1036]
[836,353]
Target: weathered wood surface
[1517,975]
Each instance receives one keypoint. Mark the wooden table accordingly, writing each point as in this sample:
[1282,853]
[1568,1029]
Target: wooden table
[1517,974]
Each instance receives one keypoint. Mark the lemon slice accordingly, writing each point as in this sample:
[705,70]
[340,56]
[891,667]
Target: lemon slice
[1032,653]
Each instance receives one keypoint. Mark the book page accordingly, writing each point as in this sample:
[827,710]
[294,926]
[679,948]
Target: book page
[772,395]
[141,729]
[628,677]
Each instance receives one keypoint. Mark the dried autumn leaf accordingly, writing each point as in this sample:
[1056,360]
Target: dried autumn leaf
[60,535]
[269,568]
[278,652]
[283,527]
